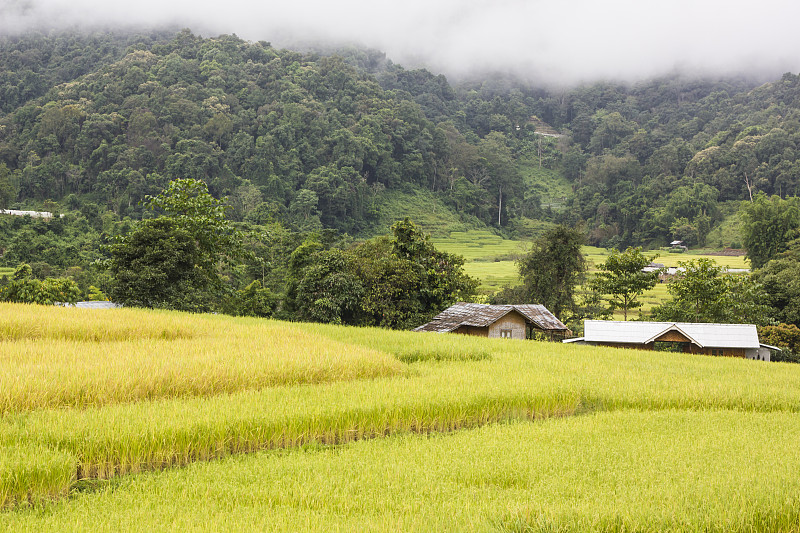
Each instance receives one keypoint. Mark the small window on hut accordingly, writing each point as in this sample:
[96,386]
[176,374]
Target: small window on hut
[505,333]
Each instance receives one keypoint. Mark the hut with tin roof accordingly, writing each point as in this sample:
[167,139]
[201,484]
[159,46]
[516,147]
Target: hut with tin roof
[727,340]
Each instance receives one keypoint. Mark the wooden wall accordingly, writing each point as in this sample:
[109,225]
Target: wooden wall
[513,321]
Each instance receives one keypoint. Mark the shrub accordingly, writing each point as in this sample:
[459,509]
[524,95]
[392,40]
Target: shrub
[784,336]
[23,288]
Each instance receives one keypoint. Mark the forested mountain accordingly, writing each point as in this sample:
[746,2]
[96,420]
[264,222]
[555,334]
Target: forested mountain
[96,122]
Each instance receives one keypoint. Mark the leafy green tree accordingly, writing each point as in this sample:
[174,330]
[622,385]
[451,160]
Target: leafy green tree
[441,280]
[328,290]
[769,223]
[611,129]
[188,202]
[785,336]
[780,278]
[24,288]
[300,259]
[253,300]
[8,190]
[154,265]
[621,278]
[553,268]
[398,283]
[171,261]
[390,284]
[704,293]
[697,294]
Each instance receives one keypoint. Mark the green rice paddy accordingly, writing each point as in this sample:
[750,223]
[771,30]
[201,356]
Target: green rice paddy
[441,432]
[492,260]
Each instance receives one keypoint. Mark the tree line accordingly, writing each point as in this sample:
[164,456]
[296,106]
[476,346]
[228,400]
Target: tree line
[188,255]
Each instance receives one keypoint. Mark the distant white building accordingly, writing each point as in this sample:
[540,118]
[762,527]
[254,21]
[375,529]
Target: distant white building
[91,305]
[726,340]
[32,214]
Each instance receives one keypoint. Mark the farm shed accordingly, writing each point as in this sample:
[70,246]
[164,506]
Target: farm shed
[726,340]
[498,321]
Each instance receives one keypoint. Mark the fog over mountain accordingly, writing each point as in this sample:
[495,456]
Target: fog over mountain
[564,41]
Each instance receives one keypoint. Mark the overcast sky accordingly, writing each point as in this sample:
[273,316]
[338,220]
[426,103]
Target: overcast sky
[553,41]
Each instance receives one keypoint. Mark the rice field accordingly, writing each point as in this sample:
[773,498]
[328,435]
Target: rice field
[625,471]
[598,255]
[480,245]
[379,430]
[61,357]
[492,260]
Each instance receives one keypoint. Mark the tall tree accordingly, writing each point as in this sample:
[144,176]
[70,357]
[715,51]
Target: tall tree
[621,278]
[398,283]
[440,277]
[769,224]
[704,293]
[171,261]
[155,266]
[553,268]
[781,280]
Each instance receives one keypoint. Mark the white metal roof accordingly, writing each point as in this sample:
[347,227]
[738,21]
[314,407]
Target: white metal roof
[704,335]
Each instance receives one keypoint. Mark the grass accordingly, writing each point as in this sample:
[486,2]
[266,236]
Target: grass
[422,207]
[492,260]
[31,473]
[495,275]
[66,357]
[597,256]
[552,187]
[480,246]
[622,439]
[659,294]
[729,231]
[622,471]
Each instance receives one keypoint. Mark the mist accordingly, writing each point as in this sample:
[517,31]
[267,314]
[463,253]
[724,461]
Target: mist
[554,42]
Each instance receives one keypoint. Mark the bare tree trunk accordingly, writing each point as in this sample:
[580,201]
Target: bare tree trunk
[499,205]
[749,187]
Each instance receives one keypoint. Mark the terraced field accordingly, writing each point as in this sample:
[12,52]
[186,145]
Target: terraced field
[287,427]
[491,259]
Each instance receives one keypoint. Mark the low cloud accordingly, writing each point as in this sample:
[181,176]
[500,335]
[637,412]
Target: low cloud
[551,42]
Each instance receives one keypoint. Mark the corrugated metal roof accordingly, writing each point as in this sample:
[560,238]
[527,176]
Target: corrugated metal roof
[97,305]
[483,315]
[91,305]
[704,335]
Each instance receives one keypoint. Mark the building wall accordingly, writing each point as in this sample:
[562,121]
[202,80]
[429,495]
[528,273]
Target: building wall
[760,354]
[472,330]
[513,322]
[688,348]
[672,336]
[719,352]
[764,354]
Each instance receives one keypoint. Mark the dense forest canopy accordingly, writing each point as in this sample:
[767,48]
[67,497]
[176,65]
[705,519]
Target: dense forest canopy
[316,140]
[305,151]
